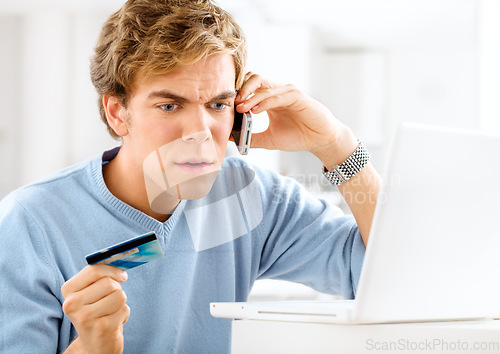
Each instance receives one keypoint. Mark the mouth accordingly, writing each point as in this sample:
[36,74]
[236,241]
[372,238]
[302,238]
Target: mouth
[195,166]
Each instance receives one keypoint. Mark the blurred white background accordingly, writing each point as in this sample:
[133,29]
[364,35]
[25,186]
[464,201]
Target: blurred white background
[374,63]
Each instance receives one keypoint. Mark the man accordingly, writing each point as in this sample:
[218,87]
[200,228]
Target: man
[169,74]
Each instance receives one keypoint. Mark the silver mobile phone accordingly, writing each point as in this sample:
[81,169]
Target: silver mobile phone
[242,131]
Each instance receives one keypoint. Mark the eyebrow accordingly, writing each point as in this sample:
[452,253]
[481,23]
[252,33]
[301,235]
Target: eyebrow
[170,95]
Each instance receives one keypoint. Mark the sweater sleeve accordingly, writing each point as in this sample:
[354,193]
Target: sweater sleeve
[309,241]
[30,306]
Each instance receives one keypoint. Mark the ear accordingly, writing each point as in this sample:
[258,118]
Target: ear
[116,114]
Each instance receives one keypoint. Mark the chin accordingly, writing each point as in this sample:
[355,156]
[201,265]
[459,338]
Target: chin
[161,199]
[197,187]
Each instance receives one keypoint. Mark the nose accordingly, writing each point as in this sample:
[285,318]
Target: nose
[198,137]
[196,129]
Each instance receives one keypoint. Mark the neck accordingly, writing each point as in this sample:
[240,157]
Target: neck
[125,180]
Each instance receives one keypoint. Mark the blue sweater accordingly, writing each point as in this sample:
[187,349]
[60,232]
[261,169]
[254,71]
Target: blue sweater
[254,224]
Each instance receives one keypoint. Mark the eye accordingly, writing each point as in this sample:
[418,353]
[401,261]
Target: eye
[218,106]
[169,107]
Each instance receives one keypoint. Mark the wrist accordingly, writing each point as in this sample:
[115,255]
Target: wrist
[338,150]
[349,168]
[75,347]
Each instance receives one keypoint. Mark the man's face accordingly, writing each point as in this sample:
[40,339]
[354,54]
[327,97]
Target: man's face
[178,127]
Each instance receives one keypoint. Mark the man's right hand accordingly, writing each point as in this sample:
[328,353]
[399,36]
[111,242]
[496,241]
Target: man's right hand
[96,305]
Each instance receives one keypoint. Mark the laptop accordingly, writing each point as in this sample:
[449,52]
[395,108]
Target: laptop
[434,248]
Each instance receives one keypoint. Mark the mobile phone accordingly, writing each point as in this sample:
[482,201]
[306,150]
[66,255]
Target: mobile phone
[130,253]
[242,131]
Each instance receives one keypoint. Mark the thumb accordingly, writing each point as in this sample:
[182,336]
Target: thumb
[262,140]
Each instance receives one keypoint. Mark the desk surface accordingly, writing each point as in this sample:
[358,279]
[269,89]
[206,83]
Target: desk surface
[251,336]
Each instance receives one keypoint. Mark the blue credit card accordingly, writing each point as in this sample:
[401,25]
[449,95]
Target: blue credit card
[129,254]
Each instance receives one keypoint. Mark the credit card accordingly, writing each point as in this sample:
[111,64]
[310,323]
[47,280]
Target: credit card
[130,253]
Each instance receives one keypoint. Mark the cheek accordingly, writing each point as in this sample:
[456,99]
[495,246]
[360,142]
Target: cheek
[148,139]
[220,135]
[221,132]
[161,133]
[226,126]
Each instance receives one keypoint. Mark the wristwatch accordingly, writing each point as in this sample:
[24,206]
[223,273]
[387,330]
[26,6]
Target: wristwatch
[349,168]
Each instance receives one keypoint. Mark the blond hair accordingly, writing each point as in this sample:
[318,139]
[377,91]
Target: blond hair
[155,37]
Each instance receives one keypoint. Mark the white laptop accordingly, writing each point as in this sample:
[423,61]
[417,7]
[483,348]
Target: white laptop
[434,248]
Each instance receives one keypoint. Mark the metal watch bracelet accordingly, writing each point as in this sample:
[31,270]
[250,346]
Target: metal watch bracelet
[349,168]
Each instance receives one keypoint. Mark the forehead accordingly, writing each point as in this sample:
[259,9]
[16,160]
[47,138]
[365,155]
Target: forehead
[201,80]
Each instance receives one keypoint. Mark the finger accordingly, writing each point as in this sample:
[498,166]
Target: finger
[98,290]
[116,319]
[95,292]
[108,305]
[107,324]
[248,74]
[262,140]
[91,274]
[280,96]
[126,313]
[273,102]
[252,84]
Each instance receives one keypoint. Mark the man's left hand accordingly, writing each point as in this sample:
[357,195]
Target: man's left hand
[297,122]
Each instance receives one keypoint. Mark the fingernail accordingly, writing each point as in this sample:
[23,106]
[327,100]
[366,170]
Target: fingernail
[238,98]
[124,275]
[255,108]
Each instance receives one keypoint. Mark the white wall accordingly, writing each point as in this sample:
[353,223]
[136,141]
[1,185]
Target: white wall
[489,41]
[9,102]
[50,118]
[378,63]
[44,106]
